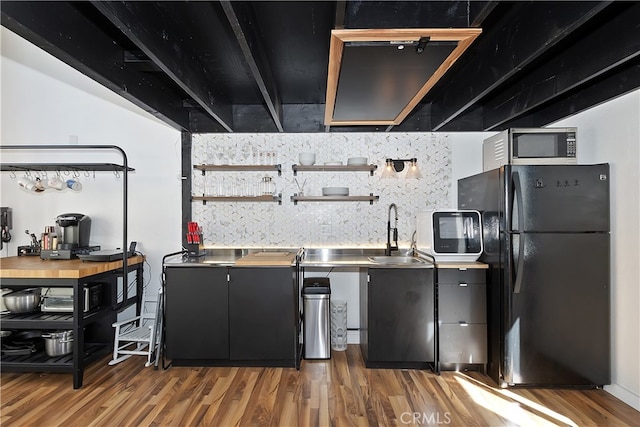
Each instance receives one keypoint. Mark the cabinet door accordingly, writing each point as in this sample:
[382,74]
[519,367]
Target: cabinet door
[400,315]
[262,313]
[197,316]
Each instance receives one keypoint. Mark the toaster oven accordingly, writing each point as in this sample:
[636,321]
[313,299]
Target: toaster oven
[60,300]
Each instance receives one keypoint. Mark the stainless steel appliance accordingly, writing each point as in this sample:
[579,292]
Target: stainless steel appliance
[72,236]
[546,238]
[60,300]
[73,230]
[530,146]
[316,293]
[449,234]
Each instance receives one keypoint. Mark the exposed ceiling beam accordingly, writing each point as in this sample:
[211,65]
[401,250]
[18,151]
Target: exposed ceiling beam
[523,34]
[617,41]
[243,25]
[62,30]
[607,87]
[156,35]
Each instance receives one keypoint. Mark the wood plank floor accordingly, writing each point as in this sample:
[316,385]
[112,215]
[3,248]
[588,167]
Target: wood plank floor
[338,392]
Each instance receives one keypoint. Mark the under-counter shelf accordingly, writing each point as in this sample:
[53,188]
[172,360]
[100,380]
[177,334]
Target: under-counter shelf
[267,198]
[238,168]
[370,198]
[37,320]
[65,363]
[334,168]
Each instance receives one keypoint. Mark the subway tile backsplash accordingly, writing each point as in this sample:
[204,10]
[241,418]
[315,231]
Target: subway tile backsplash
[319,224]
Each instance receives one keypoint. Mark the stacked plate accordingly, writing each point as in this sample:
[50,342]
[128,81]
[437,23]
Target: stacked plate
[335,191]
[357,161]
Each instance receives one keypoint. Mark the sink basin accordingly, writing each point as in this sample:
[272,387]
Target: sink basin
[392,259]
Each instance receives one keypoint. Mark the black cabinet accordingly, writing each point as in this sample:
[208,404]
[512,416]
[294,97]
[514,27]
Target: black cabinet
[263,314]
[197,313]
[462,317]
[232,316]
[397,318]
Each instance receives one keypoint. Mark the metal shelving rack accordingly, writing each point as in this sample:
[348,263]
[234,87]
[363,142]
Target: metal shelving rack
[88,167]
[84,353]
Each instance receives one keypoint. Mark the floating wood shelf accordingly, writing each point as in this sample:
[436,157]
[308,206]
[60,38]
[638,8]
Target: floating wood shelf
[370,198]
[334,168]
[267,198]
[239,168]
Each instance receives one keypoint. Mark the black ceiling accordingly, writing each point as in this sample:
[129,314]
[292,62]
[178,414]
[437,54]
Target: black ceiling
[261,66]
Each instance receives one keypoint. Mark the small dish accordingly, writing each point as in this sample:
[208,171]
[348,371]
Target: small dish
[333,163]
[307,159]
[357,161]
[335,191]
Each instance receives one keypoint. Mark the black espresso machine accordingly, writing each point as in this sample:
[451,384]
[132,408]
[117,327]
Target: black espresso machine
[71,237]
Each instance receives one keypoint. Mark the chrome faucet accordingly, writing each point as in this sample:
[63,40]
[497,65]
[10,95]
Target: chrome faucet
[394,229]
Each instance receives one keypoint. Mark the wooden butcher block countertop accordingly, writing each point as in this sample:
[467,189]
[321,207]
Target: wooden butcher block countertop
[32,267]
[267,259]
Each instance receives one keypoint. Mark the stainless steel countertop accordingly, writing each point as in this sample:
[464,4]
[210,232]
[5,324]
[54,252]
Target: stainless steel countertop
[311,257]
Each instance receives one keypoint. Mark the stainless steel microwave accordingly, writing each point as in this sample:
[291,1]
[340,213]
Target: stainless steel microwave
[530,146]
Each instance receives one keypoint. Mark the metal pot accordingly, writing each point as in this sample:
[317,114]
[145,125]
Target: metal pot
[58,343]
[22,301]
[3,307]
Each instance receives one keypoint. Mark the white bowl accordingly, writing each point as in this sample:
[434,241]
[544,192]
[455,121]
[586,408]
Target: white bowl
[357,161]
[335,191]
[307,159]
[333,163]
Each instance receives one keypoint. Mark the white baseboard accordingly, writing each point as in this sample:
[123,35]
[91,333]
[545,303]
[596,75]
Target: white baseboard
[625,395]
[353,337]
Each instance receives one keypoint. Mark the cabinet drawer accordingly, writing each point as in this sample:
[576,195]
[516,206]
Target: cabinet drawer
[456,275]
[463,344]
[462,303]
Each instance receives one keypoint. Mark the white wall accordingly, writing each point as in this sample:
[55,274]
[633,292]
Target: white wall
[46,102]
[610,133]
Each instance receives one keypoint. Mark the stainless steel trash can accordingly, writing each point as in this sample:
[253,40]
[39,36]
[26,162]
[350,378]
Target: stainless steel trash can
[316,294]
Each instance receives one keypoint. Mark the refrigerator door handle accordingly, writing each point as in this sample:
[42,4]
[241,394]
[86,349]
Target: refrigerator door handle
[517,203]
[518,273]
[517,194]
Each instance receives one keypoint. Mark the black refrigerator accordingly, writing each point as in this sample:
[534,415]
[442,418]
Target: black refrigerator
[546,238]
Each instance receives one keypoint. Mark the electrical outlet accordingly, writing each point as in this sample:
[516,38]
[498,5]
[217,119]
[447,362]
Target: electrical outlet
[325,229]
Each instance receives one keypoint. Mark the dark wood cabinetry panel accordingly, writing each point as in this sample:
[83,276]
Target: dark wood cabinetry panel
[462,318]
[399,320]
[263,314]
[197,313]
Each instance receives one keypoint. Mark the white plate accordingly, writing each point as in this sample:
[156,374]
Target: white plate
[333,163]
[335,191]
[357,161]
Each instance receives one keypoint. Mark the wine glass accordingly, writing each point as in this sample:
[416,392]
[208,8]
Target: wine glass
[245,151]
[221,157]
[231,154]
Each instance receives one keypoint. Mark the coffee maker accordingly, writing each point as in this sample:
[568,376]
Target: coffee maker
[73,230]
[71,239]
